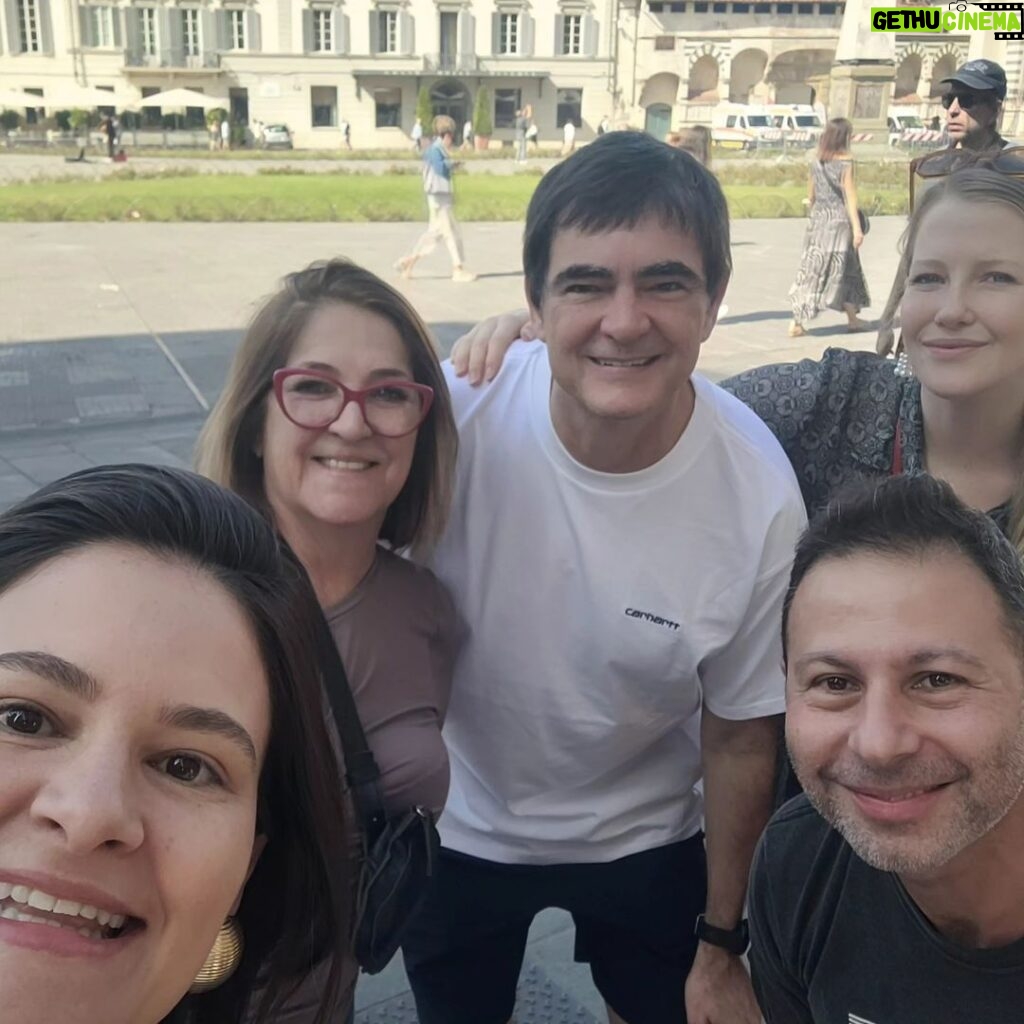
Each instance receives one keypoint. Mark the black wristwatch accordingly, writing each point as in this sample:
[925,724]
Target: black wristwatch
[735,940]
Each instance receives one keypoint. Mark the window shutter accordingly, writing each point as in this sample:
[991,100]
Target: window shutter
[119,15]
[339,30]
[467,32]
[133,31]
[222,37]
[495,33]
[374,31]
[307,30]
[176,35]
[45,28]
[84,26]
[559,35]
[253,31]
[11,12]
[526,24]
[406,33]
[590,32]
[207,31]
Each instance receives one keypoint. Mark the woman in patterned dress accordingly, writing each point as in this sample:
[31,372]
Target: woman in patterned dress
[830,275]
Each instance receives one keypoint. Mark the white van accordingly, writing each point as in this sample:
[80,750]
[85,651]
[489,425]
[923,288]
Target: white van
[740,125]
[907,129]
[798,123]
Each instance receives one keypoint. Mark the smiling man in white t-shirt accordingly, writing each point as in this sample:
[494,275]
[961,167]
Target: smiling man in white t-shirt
[620,544]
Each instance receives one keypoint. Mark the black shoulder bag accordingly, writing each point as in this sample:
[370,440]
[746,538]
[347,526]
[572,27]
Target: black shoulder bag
[399,853]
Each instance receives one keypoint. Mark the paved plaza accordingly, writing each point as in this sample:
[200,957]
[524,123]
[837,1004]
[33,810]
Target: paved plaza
[115,339]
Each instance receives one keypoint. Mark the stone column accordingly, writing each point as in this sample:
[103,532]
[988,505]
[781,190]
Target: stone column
[863,71]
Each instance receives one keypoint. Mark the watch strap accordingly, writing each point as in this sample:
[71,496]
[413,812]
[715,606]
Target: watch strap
[734,940]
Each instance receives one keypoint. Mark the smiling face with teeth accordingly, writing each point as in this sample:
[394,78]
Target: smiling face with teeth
[132,730]
[624,313]
[905,709]
[330,485]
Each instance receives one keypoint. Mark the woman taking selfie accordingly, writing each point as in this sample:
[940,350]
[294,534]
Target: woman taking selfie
[335,421]
[170,824]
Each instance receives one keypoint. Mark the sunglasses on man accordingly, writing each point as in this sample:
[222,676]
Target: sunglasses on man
[966,100]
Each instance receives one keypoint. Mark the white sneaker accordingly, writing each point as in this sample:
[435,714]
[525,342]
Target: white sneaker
[462,275]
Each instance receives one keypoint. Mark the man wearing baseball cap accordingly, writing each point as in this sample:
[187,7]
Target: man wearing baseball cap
[973,103]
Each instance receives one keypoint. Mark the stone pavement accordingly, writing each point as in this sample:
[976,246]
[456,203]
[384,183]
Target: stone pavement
[115,338]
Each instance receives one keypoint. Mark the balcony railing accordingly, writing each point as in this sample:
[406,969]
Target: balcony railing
[450,63]
[172,58]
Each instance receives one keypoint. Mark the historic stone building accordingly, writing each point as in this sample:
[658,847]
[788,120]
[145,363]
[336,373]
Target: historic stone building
[315,64]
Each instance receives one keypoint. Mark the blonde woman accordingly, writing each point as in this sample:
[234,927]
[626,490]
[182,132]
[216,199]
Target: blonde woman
[335,421]
[830,274]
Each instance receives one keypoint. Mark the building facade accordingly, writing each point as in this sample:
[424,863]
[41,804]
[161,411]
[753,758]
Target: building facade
[316,65]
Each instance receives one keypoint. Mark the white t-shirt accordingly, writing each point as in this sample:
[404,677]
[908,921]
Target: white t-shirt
[602,610]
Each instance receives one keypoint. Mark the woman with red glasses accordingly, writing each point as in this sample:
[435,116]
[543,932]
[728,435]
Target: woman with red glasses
[335,421]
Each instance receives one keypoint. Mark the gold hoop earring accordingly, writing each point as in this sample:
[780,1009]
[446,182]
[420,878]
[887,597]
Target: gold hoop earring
[222,960]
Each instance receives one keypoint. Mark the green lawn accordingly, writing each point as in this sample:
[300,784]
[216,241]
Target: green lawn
[361,197]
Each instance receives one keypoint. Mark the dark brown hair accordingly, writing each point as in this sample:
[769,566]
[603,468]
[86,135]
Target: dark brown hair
[835,138]
[295,908]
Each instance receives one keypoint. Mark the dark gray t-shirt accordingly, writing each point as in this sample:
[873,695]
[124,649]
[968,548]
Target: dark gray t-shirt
[833,941]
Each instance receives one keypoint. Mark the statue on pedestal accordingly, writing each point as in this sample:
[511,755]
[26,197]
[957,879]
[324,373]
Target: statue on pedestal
[863,70]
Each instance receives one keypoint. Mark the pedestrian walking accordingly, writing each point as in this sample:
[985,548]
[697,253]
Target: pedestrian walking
[416,134]
[604,126]
[110,133]
[225,133]
[346,132]
[437,185]
[467,135]
[521,124]
[830,274]
[568,137]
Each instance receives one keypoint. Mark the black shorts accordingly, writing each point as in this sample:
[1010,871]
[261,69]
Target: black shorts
[634,925]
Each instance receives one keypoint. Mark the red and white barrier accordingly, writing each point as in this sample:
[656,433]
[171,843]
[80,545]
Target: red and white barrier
[920,137]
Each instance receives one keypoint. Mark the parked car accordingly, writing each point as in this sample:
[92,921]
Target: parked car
[276,136]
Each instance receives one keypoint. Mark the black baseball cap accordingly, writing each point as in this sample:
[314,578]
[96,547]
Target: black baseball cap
[983,75]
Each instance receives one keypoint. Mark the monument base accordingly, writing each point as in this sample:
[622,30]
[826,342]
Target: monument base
[860,93]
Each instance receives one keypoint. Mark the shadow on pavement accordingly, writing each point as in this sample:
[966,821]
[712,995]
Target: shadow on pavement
[128,378]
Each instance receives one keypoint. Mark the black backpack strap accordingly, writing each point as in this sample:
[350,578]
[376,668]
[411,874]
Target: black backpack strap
[361,769]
